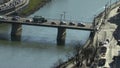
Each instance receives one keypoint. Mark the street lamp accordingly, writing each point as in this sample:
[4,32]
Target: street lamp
[110,4]
[61,16]
[105,10]
[64,13]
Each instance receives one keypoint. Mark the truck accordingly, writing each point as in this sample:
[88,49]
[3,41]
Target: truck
[39,19]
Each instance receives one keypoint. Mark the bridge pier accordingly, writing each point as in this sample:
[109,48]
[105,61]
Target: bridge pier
[16,32]
[61,35]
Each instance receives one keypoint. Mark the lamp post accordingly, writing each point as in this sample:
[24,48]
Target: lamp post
[64,13]
[106,9]
[110,4]
[61,16]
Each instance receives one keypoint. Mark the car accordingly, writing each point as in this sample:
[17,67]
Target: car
[118,42]
[118,10]
[71,23]
[53,23]
[39,19]
[81,24]
[103,49]
[108,40]
[29,20]
[16,18]
[63,23]
[105,43]
[101,62]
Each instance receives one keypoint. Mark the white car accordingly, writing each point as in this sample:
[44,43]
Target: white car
[63,23]
[29,20]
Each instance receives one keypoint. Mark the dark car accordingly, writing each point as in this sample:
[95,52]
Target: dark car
[39,19]
[81,24]
[118,10]
[118,42]
[71,23]
[16,18]
[101,62]
[53,23]
[103,49]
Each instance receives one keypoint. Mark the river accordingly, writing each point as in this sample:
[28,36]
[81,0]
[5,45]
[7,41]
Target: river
[38,48]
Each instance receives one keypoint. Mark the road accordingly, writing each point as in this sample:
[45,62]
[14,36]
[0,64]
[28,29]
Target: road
[107,32]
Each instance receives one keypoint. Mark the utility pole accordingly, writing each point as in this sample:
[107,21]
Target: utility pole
[110,4]
[116,1]
[106,10]
[64,13]
[61,16]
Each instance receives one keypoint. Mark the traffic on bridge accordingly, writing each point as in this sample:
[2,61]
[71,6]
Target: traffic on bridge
[41,21]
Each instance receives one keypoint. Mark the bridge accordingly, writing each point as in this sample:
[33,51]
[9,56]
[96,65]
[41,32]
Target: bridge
[16,26]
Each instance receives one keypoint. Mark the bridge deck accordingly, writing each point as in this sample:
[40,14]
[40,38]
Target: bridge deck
[48,24]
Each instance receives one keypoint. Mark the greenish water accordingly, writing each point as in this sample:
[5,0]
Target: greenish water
[38,48]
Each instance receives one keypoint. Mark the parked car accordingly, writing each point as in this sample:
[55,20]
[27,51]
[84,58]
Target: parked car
[71,23]
[105,43]
[102,51]
[101,62]
[118,10]
[16,18]
[63,23]
[39,19]
[81,24]
[118,42]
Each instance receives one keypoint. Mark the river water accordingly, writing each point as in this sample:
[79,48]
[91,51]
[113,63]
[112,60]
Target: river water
[38,48]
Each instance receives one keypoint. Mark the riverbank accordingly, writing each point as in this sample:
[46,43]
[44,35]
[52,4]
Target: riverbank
[33,6]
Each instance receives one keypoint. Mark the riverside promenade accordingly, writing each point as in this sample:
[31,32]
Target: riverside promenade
[107,23]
